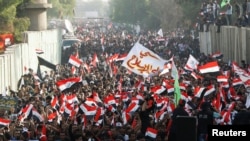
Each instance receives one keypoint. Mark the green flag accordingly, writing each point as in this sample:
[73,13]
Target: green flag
[177,91]
[224,2]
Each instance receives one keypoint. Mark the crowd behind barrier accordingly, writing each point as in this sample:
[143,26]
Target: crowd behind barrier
[108,102]
[99,99]
[228,13]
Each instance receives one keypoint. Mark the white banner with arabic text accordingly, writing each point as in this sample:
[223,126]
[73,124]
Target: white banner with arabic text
[143,61]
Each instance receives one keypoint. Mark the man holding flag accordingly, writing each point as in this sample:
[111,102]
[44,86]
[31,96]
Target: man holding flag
[178,111]
[179,104]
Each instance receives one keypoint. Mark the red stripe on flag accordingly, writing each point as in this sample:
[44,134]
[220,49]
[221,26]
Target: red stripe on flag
[209,67]
[75,61]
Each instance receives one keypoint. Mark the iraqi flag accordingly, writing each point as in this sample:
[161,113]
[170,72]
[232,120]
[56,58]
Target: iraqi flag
[25,112]
[88,110]
[112,58]
[125,117]
[237,82]
[54,103]
[217,55]
[68,110]
[198,91]
[4,122]
[151,132]
[225,84]
[52,116]
[37,115]
[73,70]
[209,67]
[67,83]
[158,89]
[75,61]
[110,100]
[132,107]
[72,98]
[95,60]
[159,115]
[170,89]
[121,57]
[237,69]
[196,76]
[210,90]
[222,78]
[99,115]
[39,51]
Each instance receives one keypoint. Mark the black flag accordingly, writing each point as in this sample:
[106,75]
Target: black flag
[38,72]
[45,63]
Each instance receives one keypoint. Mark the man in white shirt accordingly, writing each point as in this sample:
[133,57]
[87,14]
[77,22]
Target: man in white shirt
[229,13]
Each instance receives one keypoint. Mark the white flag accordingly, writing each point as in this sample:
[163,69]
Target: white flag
[192,63]
[160,32]
[143,61]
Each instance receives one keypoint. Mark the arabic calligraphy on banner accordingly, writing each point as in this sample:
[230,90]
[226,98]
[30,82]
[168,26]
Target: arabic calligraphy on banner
[143,61]
[7,103]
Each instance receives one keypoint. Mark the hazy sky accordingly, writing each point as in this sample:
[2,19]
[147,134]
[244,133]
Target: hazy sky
[90,0]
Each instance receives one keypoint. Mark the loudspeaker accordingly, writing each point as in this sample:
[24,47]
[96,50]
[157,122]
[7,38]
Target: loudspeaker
[186,128]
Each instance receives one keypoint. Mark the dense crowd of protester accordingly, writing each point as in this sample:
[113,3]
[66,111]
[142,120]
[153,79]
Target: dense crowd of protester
[109,103]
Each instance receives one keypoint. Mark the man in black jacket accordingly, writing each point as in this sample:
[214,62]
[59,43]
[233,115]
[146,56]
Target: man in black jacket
[178,111]
[205,118]
[242,116]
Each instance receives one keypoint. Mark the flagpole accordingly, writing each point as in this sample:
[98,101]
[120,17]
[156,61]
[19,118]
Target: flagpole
[138,41]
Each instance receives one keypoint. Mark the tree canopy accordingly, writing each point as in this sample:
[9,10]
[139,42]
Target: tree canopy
[10,22]
[8,10]
[61,8]
[13,19]
[155,14]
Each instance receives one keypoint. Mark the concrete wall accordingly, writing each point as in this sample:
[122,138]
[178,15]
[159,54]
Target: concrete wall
[19,56]
[232,41]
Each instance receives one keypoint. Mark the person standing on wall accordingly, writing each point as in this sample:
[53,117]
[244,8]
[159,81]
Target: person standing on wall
[248,11]
[216,10]
[229,12]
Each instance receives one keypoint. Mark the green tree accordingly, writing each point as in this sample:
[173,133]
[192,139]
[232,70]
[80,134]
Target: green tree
[9,21]
[190,10]
[61,8]
[167,14]
[151,14]
[7,15]
[128,11]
